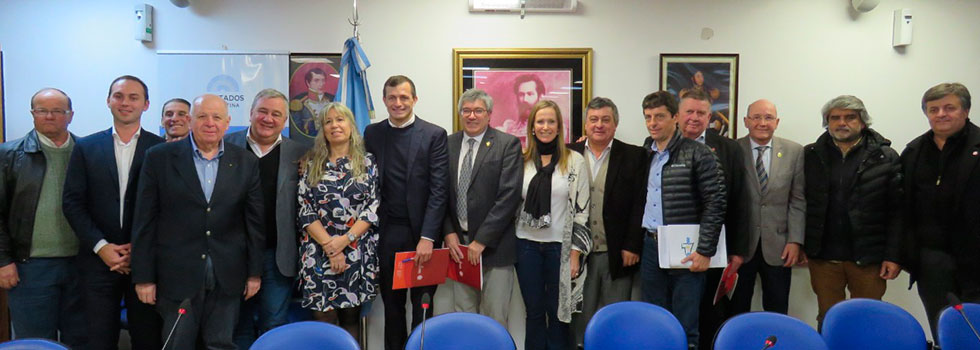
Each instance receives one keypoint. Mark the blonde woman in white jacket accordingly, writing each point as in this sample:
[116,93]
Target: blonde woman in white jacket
[553,237]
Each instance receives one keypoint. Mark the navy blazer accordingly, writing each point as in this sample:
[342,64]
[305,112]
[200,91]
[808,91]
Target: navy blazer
[91,194]
[428,179]
[175,227]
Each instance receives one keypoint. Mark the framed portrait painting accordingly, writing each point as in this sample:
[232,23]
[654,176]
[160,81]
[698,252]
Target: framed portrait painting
[715,74]
[313,79]
[517,79]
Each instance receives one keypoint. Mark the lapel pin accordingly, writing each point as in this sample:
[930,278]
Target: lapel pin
[488,145]
[779,154]
[974,153]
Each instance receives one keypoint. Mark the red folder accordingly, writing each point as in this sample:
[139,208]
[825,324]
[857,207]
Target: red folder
[729,279]
[408,274]
[467,273]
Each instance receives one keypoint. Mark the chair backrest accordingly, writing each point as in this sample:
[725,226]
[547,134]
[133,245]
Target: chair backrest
[954,332]
[634,325]
[462,330]
[750,331]
[33,344]
[308,335]
[868,324]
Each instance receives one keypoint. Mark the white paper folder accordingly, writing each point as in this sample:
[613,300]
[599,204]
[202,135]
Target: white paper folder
[676,242]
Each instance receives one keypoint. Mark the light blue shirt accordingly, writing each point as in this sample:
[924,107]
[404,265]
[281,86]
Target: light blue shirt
[653,211]
[766,157]
[207,169]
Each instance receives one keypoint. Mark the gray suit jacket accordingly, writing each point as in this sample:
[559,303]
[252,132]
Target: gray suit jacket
[287,258]
[778,215]
[493,196]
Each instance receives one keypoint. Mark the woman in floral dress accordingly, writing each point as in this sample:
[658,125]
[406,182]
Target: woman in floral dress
[338,202]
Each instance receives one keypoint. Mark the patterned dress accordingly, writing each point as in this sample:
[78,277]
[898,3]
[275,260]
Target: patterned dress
[338,201]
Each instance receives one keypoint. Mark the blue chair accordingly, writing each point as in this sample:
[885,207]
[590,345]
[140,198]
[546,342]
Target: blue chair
[750,331]
[461,330]
[634,325]
[308,335]
[33,344]
[868,324]
[954,332]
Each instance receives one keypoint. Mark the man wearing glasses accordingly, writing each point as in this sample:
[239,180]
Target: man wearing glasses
[484,164]
[776,206]
[37,247]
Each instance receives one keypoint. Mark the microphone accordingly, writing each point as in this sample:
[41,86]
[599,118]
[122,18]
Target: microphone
[957,305]
[181,310]
[426,300]
[770,342]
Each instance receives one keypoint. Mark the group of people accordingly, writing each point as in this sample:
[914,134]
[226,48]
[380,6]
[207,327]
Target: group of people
[205,236]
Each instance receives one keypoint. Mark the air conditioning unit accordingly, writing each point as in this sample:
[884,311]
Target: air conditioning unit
[523,5]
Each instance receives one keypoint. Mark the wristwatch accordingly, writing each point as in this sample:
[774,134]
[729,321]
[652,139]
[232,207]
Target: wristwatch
[351,237]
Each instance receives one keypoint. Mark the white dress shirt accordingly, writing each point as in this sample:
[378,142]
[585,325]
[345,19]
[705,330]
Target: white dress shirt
[255,145]
[124,152]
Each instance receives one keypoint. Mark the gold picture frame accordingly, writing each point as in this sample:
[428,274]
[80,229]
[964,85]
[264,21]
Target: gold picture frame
[566,74]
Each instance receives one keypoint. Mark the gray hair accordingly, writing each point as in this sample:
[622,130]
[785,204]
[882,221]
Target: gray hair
[603,102]
[270,93]
[946,89]
[472,95]
[846,102]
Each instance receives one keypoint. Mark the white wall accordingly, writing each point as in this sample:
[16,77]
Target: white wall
[797,53]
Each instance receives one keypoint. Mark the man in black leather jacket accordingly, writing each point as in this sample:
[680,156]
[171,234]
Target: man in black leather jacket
[37,246]
[684,186]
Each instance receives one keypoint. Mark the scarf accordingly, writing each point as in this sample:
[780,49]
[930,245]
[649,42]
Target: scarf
[537,203]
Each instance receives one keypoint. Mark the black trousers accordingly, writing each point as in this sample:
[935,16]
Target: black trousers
[210,321]
[102,293]
[935,281]
[712,316]
[775,285]
[397,237]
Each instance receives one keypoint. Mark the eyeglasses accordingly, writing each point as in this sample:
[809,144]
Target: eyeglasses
[756,118]
[41,112]
[479,112]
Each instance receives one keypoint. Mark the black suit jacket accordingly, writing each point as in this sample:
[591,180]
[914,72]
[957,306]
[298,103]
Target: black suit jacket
[426,185]
[175,228]
[91,195]
[622,205]
[493,196]
[736,217]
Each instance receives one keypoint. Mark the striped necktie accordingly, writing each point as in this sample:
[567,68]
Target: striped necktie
[760,168]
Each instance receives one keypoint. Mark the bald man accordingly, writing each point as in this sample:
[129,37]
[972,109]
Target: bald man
[198,233]
[37,246]
[776,206]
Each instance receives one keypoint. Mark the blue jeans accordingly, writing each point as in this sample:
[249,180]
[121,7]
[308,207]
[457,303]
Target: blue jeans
[677,290]
[538,266]
[48,299]
[269,307]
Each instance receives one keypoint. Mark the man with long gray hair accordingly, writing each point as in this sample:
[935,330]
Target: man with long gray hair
[941,182]
[853,180]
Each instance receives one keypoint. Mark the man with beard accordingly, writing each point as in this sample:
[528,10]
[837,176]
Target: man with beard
[853,180]
[528,89]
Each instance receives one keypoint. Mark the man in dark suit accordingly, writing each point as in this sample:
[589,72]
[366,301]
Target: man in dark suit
[485,167]
[694,118]
[99,197]
[412,159]
[198,231]
[278,161]
[615,172]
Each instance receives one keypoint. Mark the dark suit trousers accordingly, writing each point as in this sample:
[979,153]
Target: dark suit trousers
[103,291]
[212,316]
[775,285]
[712,316]
[399,238]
